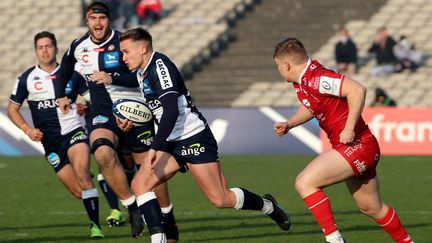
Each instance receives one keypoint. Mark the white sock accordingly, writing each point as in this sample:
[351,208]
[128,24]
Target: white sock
[334,237]
[239,197]
[168,209]
[158,238]
[129,201]
[267,207]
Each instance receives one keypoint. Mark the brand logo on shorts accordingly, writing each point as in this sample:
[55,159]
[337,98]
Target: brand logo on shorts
[361,167]
[79,136]
[146,138]
[351,149]
[53,159]
[100,120]
[194,149]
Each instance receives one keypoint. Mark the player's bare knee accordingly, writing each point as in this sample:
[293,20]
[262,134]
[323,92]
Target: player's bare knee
[76,193]
[300,185]
[103,150]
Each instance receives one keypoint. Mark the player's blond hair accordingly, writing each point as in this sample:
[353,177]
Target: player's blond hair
[293,49]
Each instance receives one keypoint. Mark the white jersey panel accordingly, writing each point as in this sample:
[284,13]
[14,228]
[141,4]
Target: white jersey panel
[187,124]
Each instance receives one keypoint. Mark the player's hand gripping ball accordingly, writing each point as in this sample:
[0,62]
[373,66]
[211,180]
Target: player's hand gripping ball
[135,111]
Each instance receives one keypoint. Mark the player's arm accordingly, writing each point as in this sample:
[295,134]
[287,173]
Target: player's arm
[169,117]
[16,117]
[301,116]
[355,94]
[66,71]
[127,80]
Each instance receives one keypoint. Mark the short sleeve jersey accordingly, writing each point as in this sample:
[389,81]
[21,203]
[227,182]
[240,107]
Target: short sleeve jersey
[320,92]
[105,57]
[161,77]
[39,88]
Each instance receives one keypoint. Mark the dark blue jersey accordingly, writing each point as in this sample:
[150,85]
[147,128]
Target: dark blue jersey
[105,56]
[166,94]
[40,88]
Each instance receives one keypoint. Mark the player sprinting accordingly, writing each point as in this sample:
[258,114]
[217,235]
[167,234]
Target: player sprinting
[100,59]
[64,139]
[183,140]
[336,101]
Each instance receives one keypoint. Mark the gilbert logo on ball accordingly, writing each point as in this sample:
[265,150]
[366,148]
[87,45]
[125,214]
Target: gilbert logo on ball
[134,110]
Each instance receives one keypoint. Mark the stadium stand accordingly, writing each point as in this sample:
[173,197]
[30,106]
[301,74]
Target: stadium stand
[194,32]
[245,74]
[401,17]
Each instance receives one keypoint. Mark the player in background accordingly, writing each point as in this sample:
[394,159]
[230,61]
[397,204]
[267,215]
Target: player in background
[84,109]
[100,59]
[183,140]
[64,139]
[336,101]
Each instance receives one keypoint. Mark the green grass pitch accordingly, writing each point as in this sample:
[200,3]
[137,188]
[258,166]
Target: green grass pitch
[35,207]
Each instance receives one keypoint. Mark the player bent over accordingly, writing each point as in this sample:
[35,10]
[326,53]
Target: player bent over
[336,101]
[63,138]
[181,129]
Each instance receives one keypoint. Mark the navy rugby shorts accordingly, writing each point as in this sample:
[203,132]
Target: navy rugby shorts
[56,149]
[139,139]
[199,149]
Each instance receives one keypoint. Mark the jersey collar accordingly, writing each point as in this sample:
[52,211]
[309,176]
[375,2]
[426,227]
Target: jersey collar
[41,70]
[309,61]
[142,70]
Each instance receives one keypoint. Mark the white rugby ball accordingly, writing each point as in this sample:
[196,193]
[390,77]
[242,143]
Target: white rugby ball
[135,111]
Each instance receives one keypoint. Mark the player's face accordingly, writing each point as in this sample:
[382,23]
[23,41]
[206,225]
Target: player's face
[98,25]
[133,53]
[46,51]
[283,67]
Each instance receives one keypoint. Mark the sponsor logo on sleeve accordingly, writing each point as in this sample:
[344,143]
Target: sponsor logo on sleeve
[328,85]
[69,86]
[163,74]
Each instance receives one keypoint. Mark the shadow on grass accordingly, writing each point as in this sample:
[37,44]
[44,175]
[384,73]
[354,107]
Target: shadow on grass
[256,222]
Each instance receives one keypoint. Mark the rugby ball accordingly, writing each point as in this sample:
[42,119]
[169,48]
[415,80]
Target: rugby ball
[134,110]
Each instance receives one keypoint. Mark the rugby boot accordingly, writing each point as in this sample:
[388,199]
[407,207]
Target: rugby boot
[115,218]
[95,231]
[137,223]
[171,229]
[279,215]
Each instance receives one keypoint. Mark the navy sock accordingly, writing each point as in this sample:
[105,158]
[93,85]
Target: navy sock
[252,201]
[110,196]
[91,203]
[152,212]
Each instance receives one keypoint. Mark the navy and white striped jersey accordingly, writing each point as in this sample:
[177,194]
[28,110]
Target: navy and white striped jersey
[161,77]
[105,56]
[39,88]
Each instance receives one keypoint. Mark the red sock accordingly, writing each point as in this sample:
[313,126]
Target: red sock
[319,205]
[390,223]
